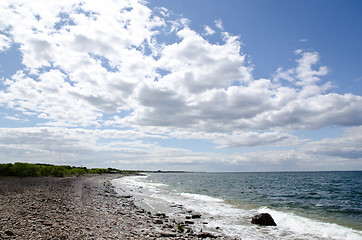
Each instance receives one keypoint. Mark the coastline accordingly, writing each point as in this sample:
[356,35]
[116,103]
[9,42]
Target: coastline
[85,207]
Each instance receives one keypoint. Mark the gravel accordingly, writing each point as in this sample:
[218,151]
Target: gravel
[85,207]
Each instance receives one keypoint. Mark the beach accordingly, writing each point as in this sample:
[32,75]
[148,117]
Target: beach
[85,207]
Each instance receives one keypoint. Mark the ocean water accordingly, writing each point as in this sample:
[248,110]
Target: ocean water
[305,205]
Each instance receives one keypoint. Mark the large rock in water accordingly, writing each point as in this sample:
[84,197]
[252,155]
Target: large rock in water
[263,219]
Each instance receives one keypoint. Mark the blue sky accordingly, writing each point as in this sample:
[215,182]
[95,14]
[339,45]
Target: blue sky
[272,30]
[182,85]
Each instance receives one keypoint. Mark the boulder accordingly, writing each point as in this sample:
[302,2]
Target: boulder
[264,219]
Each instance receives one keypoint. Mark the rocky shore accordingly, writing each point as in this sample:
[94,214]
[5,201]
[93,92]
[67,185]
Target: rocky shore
[84,207]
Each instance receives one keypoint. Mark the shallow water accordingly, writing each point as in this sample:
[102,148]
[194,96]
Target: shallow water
[305,205]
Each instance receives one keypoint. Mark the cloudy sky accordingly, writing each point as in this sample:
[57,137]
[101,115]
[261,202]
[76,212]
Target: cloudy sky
[182,85]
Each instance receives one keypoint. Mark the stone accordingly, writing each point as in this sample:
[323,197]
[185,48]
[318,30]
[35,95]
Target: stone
[47,223]
[167,226]
[264,219]
[196,216]
[205,235]
[167,234]
[161,215]
[158,221]
[9,233]
[189,230]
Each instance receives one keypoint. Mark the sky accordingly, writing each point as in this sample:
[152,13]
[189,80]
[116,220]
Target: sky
[207,85]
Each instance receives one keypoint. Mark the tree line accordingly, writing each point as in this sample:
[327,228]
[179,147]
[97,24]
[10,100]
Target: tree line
[38,170]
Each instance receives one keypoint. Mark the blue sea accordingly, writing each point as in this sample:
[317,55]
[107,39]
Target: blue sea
[305,205]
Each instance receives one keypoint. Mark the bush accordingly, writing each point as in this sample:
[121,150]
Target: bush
[33,170]
[44,170]
[77,171]
[5,169]
[58,171]
[23,170]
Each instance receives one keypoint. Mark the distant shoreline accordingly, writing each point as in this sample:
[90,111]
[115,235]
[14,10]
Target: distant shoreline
[20,169]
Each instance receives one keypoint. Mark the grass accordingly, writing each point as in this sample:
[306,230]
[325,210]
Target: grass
[180,228]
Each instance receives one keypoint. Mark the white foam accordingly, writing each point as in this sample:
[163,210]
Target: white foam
[308,227]
[199,197]
[232,220]
[137,182]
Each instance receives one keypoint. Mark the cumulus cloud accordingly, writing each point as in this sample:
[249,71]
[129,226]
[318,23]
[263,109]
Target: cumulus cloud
[347,146]
[121,64]
[84,60]
[235,101]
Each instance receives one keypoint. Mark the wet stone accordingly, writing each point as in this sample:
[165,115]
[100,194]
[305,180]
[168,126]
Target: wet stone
[158,221]
[9,233]
[205,235]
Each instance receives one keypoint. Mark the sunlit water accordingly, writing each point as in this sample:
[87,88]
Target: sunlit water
[305,205]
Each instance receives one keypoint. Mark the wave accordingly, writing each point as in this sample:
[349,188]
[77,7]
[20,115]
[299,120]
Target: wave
[302,226]
[232,220]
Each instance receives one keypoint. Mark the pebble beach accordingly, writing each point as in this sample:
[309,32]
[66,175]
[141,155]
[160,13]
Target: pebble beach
[85,207]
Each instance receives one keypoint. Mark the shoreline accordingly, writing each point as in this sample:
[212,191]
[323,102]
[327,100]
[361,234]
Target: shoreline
[85,207]
[224,211]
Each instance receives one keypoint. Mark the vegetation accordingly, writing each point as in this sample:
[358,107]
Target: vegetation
[37,170]
[180,228]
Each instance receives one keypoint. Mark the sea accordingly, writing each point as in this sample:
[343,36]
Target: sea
[304,205]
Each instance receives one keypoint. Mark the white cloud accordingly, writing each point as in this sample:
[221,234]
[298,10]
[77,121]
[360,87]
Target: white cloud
[5,42]
[209,31]
[253,104]
[304,71]
[197,65]
[91,64]
[304,75]
[98,64]
[121,148]
[178,24]
[243,139]
[255,139]
[164,11]
[218,24]
[74,146]
[347,146]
